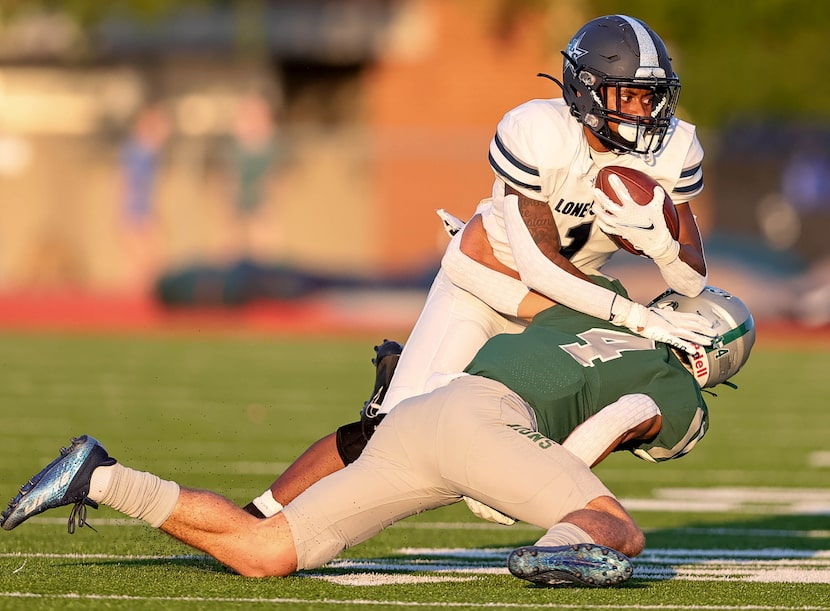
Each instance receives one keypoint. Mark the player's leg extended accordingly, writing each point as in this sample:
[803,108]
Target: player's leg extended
[85,475]
[250,546]
[396,476]
[502,462]
[332,452]
[452,326]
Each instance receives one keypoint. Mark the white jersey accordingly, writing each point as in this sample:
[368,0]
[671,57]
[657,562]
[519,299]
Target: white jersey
[542,152]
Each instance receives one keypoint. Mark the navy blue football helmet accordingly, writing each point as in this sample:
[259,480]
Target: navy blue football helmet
[608,54]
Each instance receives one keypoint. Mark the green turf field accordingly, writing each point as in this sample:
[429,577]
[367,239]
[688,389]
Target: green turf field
[741,523]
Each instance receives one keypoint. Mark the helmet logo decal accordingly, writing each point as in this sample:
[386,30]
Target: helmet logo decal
[587,79]
[699,365]
[575,52]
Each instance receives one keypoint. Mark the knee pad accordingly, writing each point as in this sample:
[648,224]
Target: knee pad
[350,441]
[352,438]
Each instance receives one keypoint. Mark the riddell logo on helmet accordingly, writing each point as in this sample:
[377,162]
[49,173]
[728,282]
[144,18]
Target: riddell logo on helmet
[700,365]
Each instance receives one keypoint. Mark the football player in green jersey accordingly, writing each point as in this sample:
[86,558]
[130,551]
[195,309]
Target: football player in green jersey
[570,367]
[536,367]
[475,437]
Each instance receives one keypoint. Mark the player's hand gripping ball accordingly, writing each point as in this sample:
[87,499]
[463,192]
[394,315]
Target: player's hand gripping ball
[633,213]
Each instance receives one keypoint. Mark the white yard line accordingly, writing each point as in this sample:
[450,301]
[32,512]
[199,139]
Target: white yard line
[432,565]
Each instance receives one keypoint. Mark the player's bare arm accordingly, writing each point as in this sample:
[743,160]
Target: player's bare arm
[539,220]
[318,461]
[643,432]
[474,244]
[691,244]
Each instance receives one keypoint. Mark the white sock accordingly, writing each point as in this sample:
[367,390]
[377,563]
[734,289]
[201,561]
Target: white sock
[564,533]
[135,493]
[267,504]
[100,482]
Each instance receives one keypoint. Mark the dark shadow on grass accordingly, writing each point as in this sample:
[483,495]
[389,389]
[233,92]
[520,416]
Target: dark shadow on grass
[202,563]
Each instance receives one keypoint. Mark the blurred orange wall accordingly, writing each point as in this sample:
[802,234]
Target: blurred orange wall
[433,108]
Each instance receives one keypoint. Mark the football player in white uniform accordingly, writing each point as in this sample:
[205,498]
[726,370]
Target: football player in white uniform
[546,227]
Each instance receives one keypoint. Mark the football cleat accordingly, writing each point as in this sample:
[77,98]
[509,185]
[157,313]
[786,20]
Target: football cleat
[64,481]
[385,361]
[585,564]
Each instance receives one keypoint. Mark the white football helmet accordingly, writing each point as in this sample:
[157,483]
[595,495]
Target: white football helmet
[731,320]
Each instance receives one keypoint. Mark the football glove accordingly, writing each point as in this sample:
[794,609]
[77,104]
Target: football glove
[683,330]
[485,512]
[643,226]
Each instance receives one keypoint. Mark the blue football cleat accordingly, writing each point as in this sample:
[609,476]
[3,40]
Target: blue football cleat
[585,564]
[64,481]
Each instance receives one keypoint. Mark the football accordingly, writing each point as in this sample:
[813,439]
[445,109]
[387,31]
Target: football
[641,188]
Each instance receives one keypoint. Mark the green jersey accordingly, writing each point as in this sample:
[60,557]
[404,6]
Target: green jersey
[568,366]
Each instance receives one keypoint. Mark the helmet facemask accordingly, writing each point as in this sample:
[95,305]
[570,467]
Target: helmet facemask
[633,133]
[636,133]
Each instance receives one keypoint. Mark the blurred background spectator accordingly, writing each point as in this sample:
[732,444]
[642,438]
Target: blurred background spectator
[255,156]
[140,160]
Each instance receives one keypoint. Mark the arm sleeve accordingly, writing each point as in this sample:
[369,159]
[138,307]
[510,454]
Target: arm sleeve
[593,437]
[500,292]
[540,273]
